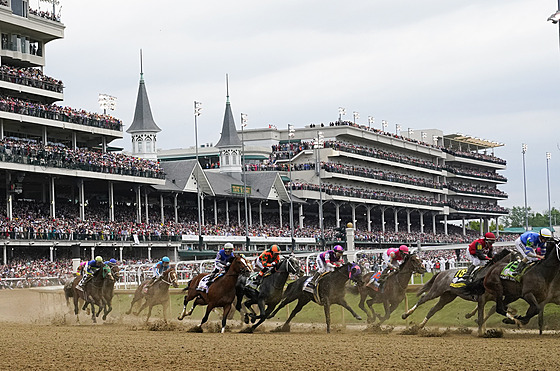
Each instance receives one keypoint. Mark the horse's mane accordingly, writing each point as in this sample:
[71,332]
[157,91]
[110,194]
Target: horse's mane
[499,256]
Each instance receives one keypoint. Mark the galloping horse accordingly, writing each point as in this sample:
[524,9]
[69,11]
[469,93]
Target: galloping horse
[330,291]
[220,294]
[270,291]
[158,293]
[92,293]
[109,288]
[533,287]
[394,288]
[439,287]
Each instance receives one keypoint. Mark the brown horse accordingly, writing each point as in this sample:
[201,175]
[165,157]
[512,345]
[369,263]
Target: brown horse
[394,288]
[157,294]
[109,288]
[220,294]
[534,287]
[92,293]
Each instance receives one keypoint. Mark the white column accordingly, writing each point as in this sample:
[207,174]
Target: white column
[120,253]
[92,252]
[445,224]
[111,202]
[337,214]
[2,132]
[51,253]
[82,199]
[464,227]
[5,254]
[250,206]
[74,140]
[280,212]
[138,205]
[434,223]
[368,215]
[149,253]
[215,211]
[239,213]
[350,247]
[175,254]
[395,213]
[354,222]
[260,214]
[45,135]
[227,212]
[53,196]
[202,209]
[301,217]
[408,211]
[146,205]
[104,144]
[497,227]
[481,226]
[162,212]
[175,207]
[383,219]
[421,222]
[9,195]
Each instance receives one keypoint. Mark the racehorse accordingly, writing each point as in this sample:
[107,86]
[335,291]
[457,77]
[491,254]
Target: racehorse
[270,291]
[157,294]
[220,294]
[92,293]
[533,287]
[394,289]
[439,287]
[109,288]
[330,289]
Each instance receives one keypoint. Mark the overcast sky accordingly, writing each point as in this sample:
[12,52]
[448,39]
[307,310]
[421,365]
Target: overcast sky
[490,69]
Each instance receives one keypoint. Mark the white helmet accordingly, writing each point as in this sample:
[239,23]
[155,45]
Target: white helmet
[228,246]
[546,233]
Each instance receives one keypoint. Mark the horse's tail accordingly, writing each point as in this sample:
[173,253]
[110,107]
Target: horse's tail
[428,285]
[68,292]
[187,287]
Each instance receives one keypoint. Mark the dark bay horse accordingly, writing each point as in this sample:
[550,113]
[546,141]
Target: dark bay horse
[158,293]
[109,288]
[534,287]
[439,287]
[330,291]
[394,289]
[92,293]
[220,294]
[270,291]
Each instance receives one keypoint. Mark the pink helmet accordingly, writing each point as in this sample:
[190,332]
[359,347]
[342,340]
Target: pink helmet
[403,249]
[339,249]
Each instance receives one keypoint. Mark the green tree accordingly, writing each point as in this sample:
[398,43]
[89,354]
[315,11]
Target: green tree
[516,217]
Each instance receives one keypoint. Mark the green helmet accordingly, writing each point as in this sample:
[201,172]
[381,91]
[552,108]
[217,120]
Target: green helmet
[99,259]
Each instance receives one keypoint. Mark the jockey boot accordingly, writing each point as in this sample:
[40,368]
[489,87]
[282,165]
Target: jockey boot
[313,282]
[258,279]
[470,270]
[522,264]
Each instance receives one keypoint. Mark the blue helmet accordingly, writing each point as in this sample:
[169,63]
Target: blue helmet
[165,259]
[114,261]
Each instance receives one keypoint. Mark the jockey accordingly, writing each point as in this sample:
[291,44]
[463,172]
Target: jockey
[81,267]
[91,267]
[527,245]
[479,252]
[157,271]
[327,261]
[111,262]
[223,260]
[392,257]
[267,261]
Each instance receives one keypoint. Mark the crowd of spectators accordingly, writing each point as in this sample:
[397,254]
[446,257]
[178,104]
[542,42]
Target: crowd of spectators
[32,152]
[58,113]
[476,206]
[477,173]
[455,152]
[339,190]
[30,77]
[475,189]
[45,14]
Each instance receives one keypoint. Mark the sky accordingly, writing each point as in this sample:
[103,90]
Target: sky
[490,69]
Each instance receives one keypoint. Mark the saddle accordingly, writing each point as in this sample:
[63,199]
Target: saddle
[510,271]
[311,288]
[461,278]
[204,284]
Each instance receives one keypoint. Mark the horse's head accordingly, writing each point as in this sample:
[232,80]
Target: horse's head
[354,272]
[416,264]
[106,273]
[293,266]
[170,275]
[116,272]
[240,265]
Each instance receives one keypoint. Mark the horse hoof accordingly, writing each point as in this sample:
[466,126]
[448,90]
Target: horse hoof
[508,321]
[358,318]
[246,319]
[253,319]
[404,316]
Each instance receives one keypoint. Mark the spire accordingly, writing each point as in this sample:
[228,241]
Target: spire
[229,137]
[143,120]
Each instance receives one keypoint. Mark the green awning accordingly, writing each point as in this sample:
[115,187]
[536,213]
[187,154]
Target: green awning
[255,157]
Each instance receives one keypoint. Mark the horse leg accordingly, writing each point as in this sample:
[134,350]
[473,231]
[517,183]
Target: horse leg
[227,308]
[149,313]
[442,302]
[93,316]
[342,302]
[534,308]
[249,311]
[283,303]
[184,312]
[424,298]
[472,313]
[300,304]
[541,320]
[206,315]
[165,306]
[327,308]
[363,308]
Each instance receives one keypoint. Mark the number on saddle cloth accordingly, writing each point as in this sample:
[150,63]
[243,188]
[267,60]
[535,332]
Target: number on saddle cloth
[460,278]
[510,271]
[375,277]
[203,284]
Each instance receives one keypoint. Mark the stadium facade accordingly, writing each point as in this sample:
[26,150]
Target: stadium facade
[69,192]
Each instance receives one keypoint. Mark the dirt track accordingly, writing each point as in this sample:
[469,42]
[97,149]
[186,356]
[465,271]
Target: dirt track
[48,341]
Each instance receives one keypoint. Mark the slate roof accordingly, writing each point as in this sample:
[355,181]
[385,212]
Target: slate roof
[229,137]
[143,119]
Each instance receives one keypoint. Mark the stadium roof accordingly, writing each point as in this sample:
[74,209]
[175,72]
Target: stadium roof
[143,119]
[229,137]
[467,139]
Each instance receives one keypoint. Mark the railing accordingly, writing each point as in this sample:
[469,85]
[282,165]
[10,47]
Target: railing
[30,81]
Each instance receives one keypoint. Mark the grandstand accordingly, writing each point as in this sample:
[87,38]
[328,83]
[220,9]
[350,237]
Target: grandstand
[69,193]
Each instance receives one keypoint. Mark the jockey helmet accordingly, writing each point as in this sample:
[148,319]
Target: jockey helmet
[228,246]
[545,233]
[165,259]
[403,249]
[338,249]
[99,259]
[114,261]
[274,249]
[490,236]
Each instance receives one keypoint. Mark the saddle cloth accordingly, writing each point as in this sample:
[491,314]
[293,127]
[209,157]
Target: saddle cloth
[510,272]
[203,284]
[307,287]
[251,281]
[374,278]
[460,278]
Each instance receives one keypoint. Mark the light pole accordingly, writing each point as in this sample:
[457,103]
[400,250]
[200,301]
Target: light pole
[548,156]
[523,151]
[243,124]
[435,140]
[356,116]
[107,102]
[341,112]
[319,141]
[197,112]
[398,129]
[384,125]
[424,136]
[291,134]
[410,132]
[371,121]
